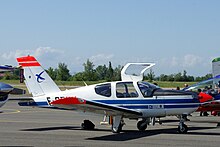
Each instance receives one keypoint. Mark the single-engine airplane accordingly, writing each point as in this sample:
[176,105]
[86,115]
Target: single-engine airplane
[6,89]
[129,98]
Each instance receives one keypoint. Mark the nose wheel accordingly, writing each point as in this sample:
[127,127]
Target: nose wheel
[182,128]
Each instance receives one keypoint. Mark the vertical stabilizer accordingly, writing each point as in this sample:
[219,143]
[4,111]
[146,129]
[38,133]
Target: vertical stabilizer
[216,67]
[37,80]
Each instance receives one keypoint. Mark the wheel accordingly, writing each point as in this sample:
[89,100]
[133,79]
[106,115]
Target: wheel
[87,125]
[114,130]
[183,129]
[142,125]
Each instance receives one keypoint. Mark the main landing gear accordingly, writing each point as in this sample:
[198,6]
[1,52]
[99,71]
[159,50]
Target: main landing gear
[182,128]
[117,124]
[87,125]
[142,124]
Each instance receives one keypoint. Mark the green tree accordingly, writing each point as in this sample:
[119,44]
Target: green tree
[63,72]
[163,77]
[110,71]
[11,75]
[206,77]
[178,77]
[117,73]
[101,72]
[78,76]
[170,77]
[52,73]
[185,77]
[89,72]
[150,76]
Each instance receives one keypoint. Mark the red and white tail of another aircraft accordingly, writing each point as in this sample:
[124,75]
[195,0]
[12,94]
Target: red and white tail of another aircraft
[130,98]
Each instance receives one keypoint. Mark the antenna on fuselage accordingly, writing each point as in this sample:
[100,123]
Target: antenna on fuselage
[85,83]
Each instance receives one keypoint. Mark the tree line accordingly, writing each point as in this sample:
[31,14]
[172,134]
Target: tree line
[90,73]
[104,73]
[178,77]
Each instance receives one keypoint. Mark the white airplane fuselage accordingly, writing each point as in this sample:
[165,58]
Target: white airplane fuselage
[155,106]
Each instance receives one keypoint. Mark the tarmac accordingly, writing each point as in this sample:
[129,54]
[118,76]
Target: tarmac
[32,126]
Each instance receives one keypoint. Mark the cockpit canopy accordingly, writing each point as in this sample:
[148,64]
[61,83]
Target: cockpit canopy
[126,89]
[134,90]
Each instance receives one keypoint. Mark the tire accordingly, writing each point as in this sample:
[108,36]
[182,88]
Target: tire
[87,125]
[183,130]
[141,125]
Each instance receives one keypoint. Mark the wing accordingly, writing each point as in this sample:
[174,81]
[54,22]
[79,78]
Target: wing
[72,103]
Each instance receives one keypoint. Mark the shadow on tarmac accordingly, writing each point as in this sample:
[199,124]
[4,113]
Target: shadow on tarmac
[52,128]
[130,135]
[126,135]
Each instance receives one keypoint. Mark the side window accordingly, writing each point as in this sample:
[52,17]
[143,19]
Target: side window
[125,90]
[104,90]
[145,90]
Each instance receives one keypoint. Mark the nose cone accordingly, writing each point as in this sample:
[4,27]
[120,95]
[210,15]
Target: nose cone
[5,88]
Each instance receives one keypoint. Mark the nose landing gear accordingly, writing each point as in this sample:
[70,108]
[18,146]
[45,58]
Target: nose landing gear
[182,128]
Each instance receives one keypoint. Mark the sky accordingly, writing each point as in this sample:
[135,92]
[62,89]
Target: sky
[177,35]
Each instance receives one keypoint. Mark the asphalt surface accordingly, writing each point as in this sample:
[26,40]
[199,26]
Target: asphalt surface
[27,126]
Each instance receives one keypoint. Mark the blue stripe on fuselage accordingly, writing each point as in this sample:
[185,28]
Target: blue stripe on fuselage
[147,101]
[42,103]
[163,107]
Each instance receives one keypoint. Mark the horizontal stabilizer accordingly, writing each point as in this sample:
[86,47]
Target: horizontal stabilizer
[27,103]
[18,91]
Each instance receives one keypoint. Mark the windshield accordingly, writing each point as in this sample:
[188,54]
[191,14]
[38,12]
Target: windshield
[147,89]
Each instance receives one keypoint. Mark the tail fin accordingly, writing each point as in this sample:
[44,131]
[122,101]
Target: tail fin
[37,80]
[216,67]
